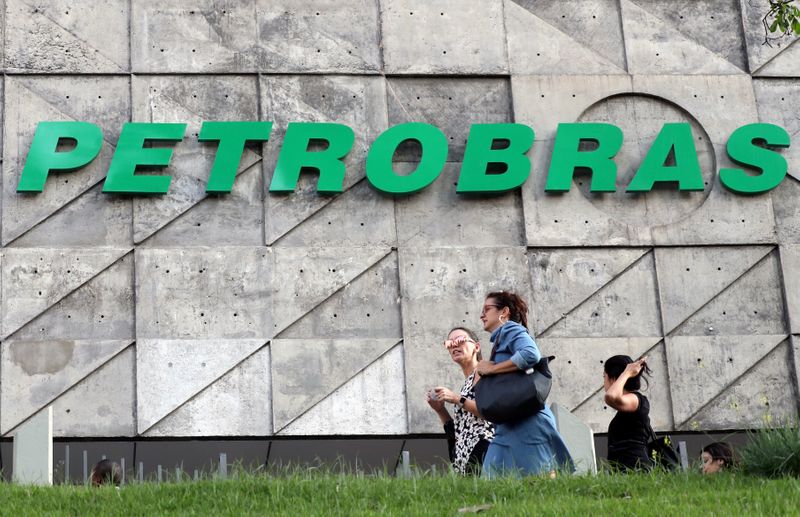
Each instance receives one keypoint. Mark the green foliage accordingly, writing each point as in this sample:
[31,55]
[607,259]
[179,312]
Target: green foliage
[783,18]
[773,452]
[327,493]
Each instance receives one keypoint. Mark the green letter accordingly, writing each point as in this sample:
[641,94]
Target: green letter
[295,155]
[686,171]
[379,160]
[742,150]
[479,154]
[43,156]
[232,137]
[567,156]
[130,153]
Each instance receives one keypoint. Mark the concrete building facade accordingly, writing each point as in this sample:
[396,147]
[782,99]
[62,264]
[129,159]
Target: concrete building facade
[254,314]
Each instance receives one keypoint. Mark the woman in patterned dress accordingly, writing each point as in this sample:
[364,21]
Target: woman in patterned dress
[468,435]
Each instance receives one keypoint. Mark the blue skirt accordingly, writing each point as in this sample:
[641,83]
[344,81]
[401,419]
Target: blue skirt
[527,447]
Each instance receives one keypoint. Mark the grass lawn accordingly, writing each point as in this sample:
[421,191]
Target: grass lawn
[329,494]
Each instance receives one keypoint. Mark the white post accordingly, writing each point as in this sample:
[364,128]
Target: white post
[32,457]
[223,465]
[684,455]
[405,465]
[579,439]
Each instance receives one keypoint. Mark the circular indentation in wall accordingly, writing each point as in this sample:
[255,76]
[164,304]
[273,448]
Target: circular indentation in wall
[641,117]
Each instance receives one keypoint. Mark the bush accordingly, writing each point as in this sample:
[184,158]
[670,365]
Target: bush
[773,452]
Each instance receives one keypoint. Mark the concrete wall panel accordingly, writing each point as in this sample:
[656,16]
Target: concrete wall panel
[317,274]
[367,307]
[691,277]
[536,47]
[455,37]
[304,371]
[700,367]
[752,304]
[655,47]
[563,279]
[358,217]
[101,308]
[438,216]
[203,293]
[445,287]
[103,221]
[192,100]
[692,20]
[379,390]
[451,104]
[170,372]
[102,404]
[234,219]
[764,396]
[237,404]
[35,373]
[787,210]
[356,101]
[33,280]
[255,35]
[101,100]
[59,36]
[626,306]
[595,24]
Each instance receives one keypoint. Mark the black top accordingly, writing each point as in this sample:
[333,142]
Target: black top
[628,434]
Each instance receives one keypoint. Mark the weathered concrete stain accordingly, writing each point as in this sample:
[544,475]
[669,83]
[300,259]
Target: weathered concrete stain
[42,358]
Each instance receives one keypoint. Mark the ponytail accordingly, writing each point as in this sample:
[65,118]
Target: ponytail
[517,306]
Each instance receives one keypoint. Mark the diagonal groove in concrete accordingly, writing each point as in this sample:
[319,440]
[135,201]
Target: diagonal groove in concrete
[334,293]
[73,34]
[630,266]
[180,215]
[127,252]
[339,386]
[725,289]
[71,387]
[204,388]
[733,381]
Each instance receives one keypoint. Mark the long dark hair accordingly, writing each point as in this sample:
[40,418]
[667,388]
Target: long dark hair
[614,366]
[471,335]
[721,451]
[517,306]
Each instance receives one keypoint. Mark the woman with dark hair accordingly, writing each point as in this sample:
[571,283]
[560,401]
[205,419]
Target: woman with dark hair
[530,445]
[105,471]
[468,435]
[629,430]
[717,456]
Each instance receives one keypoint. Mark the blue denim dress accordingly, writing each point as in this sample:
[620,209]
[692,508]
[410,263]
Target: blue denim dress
[531,445]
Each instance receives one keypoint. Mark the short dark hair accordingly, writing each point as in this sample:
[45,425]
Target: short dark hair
[721,451]
[106,471]
[471,335]
[615,365]
[517,306]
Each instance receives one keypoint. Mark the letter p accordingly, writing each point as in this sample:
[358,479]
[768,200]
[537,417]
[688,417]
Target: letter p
[44,157]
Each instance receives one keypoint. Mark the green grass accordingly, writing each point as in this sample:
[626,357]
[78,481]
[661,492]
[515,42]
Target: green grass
[329,494]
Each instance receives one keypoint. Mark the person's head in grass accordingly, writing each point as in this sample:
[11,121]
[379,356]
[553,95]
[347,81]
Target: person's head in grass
[106,472]
[717,456]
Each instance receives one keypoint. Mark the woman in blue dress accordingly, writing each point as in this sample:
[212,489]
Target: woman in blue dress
[530,445]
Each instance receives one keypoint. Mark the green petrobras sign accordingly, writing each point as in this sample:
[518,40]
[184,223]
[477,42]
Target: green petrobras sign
[671,158]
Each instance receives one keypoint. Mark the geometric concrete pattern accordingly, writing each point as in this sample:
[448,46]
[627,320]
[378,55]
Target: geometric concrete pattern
[256,314]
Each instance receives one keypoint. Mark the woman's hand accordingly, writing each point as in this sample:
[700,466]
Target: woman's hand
[633,369]
[436,405]
[446,395]
[485,368]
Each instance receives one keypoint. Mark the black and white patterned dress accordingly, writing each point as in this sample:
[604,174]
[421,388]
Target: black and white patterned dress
[468,436]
